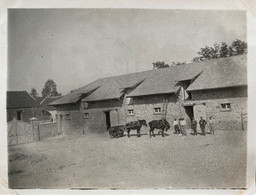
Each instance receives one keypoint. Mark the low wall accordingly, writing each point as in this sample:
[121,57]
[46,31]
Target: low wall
[47,130]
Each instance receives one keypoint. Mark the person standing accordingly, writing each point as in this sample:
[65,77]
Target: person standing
[183,127]
[194,126]
[176,126]
[211,125]
[202,124]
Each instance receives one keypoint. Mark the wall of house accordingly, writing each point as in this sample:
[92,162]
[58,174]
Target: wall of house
[144,108]
[96,119]
[226,119]
[27,113]
[69,119]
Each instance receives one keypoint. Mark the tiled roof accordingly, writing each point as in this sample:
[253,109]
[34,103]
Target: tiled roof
[222,73]
[218,73]
[20,99]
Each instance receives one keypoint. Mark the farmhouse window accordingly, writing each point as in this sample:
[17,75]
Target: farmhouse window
[67,116]
[130,112]
[85,105]
[86,115]
[225,106]
[157,110]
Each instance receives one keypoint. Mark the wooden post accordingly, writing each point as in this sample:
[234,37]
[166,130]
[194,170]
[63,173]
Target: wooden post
[242,121]
[38,132]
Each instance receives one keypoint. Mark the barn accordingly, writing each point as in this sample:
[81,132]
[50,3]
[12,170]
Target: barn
[215,88]
[21,106]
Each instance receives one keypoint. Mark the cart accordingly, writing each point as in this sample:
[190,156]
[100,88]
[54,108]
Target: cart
[116,131]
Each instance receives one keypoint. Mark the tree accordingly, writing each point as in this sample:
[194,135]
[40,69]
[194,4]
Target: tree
[178,63]
[237,47]
[34,93]
[50,89]
[159,64]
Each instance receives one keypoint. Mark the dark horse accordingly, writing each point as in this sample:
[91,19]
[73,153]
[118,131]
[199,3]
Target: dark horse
[135,125]
[158,124]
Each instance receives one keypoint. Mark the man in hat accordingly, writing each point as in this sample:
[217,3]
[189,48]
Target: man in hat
[176,126]
[183,127]
[202,124]
[194,126]
[211,125]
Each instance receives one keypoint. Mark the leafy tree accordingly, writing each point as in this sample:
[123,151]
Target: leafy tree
[178,63]
[34,93]
[159,64]
[237,47]
[50,89]
[224,50]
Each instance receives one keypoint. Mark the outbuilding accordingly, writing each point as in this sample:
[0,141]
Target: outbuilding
[216,88]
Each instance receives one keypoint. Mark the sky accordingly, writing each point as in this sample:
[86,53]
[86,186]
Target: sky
[77,46]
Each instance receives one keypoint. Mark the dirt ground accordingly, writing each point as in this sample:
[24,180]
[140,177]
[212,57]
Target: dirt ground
[96,160]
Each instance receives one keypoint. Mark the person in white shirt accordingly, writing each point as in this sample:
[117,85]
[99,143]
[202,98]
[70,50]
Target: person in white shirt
[183,127]
[176,126]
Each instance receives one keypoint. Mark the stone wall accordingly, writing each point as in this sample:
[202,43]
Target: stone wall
[144,108]
[47,130]
[226,119]
[96,119]
[69,119]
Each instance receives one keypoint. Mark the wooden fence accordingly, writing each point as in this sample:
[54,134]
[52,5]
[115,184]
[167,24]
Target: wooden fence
[20,132]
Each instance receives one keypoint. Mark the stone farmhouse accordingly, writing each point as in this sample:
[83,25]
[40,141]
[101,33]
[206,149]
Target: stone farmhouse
[21,106]
[215,88]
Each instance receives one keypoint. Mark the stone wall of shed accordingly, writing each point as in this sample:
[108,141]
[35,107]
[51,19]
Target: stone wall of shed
[72,119]
[144,108]
[225,119]
[96,121]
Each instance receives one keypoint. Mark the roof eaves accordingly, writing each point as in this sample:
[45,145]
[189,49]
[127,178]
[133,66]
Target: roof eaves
[200,89]
[164,93]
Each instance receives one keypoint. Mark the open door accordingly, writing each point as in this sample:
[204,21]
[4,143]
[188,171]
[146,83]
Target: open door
[107,119]
[114,118]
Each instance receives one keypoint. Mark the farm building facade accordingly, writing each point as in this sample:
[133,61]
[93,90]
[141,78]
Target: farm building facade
[215,88]
[21,106]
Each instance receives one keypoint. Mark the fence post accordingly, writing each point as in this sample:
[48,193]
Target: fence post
[242,120]
[38,132]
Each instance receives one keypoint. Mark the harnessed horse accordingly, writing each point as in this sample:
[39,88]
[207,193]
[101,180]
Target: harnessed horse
[135,125]
[158,124]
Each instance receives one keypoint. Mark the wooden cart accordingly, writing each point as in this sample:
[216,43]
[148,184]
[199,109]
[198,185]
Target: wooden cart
[116,131]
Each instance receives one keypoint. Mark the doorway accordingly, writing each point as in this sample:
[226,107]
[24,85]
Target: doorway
[19,115]
[107,113]
[189,111]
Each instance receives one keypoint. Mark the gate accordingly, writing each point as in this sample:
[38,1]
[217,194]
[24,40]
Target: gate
[21,132]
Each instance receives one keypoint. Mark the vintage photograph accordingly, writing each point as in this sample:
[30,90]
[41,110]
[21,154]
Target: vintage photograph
[127,99]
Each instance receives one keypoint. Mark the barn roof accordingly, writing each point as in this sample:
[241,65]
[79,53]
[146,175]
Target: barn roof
[20,99]
[207,74]
[165,80]
[222,73]
[47,100]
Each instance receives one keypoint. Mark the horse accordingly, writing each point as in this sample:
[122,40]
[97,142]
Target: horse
[158,124]
[135,125]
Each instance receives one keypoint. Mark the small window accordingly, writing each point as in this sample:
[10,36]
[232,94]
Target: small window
[84,105]
[130,112]
[157,110]
[86,115]
[226,106]
[67,116]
